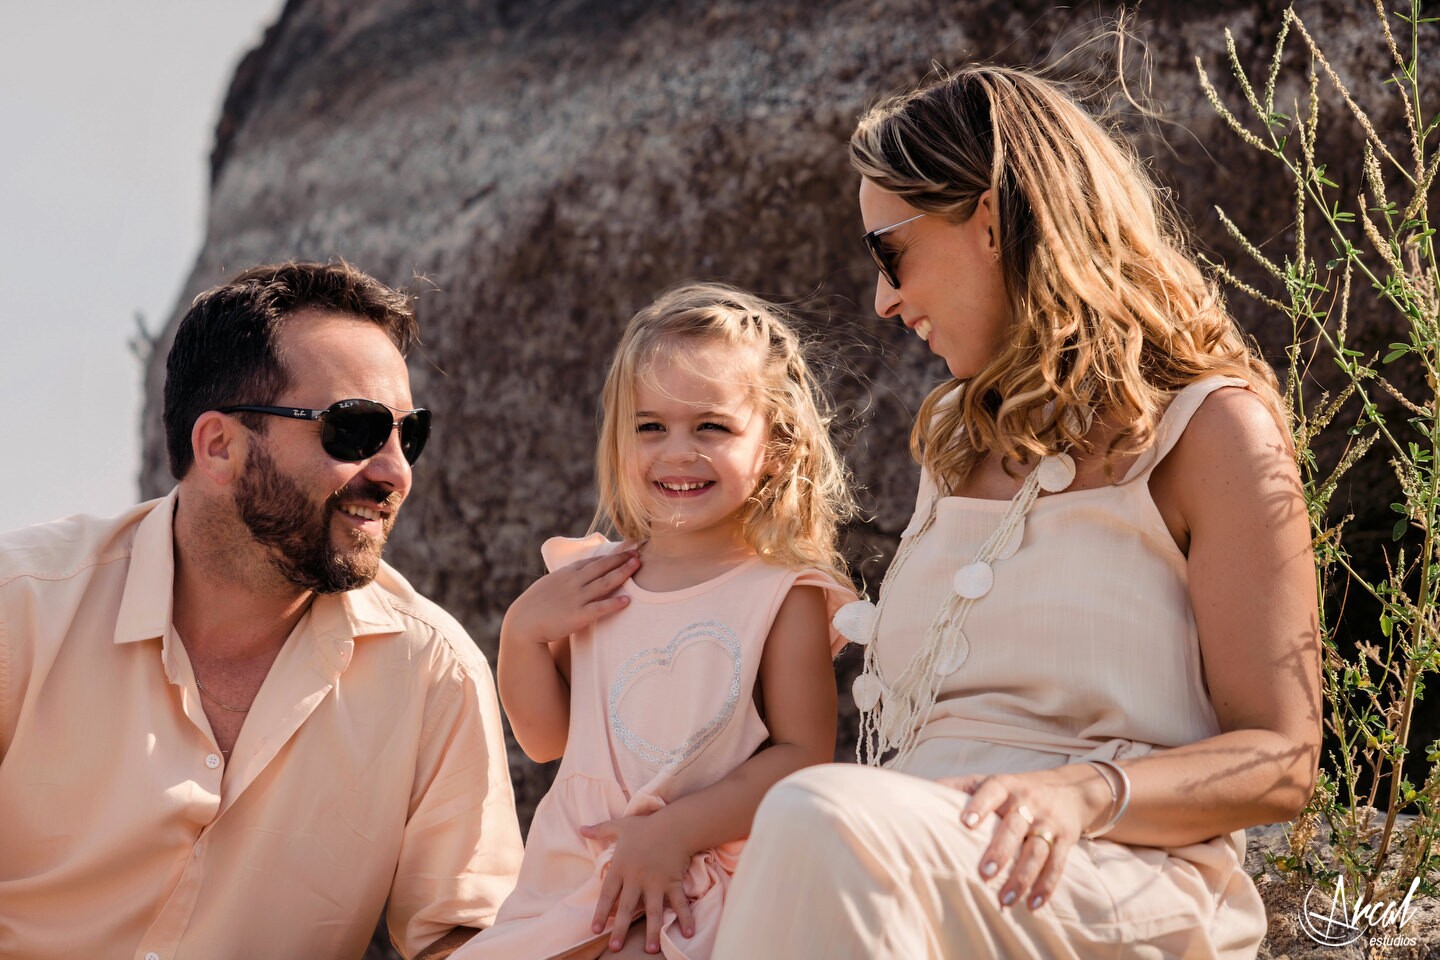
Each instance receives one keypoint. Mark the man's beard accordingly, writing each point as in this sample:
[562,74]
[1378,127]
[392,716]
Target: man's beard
[297,532]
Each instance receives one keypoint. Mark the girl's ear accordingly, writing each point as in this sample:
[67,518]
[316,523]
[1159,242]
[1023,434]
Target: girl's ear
[773,458]
[777,453]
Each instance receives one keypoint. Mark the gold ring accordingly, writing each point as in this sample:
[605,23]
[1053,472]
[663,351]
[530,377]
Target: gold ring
[1047,835]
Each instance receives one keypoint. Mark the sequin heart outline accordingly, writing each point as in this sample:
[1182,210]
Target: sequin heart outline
[646,661]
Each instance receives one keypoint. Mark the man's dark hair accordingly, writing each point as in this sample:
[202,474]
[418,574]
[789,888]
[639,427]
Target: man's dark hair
[226,347]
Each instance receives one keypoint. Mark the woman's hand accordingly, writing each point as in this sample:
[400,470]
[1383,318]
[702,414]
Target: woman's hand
[571,598]
[1042,815]
[647,869]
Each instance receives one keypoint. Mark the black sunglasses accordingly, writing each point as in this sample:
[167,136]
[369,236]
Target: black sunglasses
[354,430]
[883,257]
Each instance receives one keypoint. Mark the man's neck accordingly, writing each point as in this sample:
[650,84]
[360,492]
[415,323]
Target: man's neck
[229,604]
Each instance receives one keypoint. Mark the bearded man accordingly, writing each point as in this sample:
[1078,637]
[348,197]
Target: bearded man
[227,728]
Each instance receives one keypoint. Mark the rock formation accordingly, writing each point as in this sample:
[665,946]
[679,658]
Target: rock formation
[538,171]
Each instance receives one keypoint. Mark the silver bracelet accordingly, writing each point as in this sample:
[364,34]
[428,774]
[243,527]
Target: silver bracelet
[1119,798]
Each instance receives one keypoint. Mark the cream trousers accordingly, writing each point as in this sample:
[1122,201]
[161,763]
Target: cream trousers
[854,862]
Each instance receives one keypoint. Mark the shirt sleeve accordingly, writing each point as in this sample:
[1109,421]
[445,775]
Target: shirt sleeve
[461,848]
[6,695]
[562,551]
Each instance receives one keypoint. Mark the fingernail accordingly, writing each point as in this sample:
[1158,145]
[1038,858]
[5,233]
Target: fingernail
[596,927]
[1008,898]
[970,819]
[988,868]
[1035,901]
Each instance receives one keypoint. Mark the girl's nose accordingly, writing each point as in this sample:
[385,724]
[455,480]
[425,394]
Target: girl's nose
[685,453]
[680,448]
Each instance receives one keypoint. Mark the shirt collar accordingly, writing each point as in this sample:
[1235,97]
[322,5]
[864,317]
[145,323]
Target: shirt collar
[355,613]
[147,607]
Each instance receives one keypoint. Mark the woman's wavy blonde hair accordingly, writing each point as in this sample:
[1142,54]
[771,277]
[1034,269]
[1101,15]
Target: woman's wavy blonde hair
[793,518]
[1110,311]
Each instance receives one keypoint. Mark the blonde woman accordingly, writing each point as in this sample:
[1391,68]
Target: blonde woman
[1095,655]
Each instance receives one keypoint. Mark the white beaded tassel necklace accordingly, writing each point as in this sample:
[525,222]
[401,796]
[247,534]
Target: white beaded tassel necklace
[892,715]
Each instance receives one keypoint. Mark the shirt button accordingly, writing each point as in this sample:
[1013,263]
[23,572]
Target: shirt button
[152,956]
[212,761]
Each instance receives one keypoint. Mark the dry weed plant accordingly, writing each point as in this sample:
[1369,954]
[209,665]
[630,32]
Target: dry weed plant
[1379,258]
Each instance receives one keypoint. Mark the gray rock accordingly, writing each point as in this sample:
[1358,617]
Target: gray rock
[537,172]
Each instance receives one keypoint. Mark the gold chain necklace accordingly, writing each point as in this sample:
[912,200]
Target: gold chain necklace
[216,700]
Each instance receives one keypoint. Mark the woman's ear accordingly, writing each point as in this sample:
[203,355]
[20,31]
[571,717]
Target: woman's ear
[985,214]
[218,443]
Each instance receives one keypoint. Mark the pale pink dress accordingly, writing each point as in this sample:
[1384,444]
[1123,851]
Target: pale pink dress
[661,705]
[1086,646]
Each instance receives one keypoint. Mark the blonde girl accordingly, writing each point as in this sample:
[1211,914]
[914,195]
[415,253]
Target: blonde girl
[1094,658]
[683,671]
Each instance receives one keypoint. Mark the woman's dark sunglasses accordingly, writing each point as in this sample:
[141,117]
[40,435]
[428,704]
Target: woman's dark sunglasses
[885,258]
[354,430]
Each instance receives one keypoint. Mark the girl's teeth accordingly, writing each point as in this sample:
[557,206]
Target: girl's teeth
[923,328]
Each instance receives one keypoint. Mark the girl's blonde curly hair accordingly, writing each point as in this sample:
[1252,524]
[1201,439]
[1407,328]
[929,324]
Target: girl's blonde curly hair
[1109,310]
[794,517]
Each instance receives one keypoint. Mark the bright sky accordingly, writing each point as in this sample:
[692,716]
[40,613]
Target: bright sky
[108,109]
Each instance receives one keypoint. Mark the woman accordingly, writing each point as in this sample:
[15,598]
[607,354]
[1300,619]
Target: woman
[1102,620]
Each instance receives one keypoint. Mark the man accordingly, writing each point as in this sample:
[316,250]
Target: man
[227,729]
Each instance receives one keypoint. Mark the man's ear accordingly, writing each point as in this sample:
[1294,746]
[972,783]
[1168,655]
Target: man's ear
[219,444]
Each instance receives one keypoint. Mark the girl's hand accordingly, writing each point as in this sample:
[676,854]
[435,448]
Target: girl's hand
[1041,817]
[647,869]
[571,598]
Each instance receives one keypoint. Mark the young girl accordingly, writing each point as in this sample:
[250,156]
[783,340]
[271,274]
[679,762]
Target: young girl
[683,672]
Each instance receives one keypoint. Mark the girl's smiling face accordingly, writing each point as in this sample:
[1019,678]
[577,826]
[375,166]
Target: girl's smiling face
[952,289]
[701,443]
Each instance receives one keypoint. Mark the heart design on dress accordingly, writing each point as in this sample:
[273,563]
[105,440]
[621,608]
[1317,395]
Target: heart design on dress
[662,665]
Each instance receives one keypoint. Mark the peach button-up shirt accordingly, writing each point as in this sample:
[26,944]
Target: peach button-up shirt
[370,767]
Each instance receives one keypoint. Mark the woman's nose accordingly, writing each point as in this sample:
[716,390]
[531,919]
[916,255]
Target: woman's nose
[887,298]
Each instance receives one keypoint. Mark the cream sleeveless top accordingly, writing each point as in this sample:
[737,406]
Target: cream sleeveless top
[1086,644]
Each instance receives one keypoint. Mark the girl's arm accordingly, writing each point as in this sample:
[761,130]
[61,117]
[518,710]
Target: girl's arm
[534,638]
[1234,483]
[652,853]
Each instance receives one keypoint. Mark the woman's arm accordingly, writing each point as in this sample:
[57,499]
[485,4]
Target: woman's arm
[534,636]
[1231,493]
[1232,480]
[652,853]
